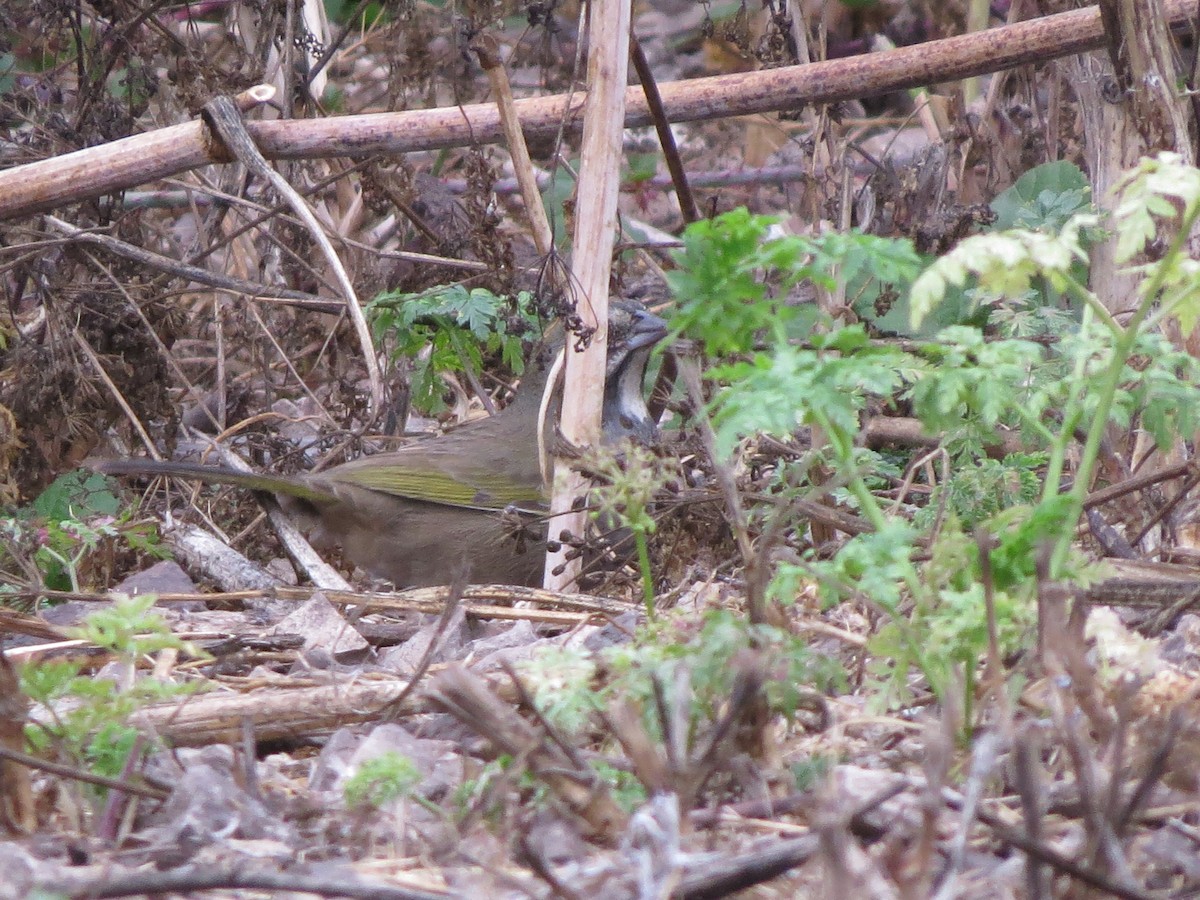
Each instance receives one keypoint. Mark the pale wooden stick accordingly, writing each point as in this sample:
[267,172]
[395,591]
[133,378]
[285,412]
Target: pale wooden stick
[223,117]
[591,259]
[489,57]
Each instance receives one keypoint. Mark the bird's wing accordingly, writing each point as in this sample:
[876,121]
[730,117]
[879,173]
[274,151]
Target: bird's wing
[448,482]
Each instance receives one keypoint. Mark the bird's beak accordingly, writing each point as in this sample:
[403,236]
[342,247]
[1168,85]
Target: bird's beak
[648,330]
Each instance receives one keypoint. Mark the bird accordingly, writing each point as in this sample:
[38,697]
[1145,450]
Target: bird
[455,505]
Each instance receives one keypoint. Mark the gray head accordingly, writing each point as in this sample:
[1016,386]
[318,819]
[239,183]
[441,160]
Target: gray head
[632,334]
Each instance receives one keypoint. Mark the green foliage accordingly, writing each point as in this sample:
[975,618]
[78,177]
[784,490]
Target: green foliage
[1043,201]
[85,717]
[372,15]
[108,749]
[864,260]
[953,635]
[1157,388]
[721,299]
[49,543]
[640,166]
[1029,316]
[565,688]
[77,495]
[979,489]
[501,772]
[734,273]
[381,780]
[707,655]
[1149,198]
[457,326]
[971,385]
[131,627]
[835,379]
[1021,533]
[627,791]
[943,633]
[966,383]
[558,191]
[469,794]
[1044,198]
[876,565]
[630,477]
[8,65]
[569,690]
[1004,264]
[879,291]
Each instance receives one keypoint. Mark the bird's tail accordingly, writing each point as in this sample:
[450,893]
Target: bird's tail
[291,486]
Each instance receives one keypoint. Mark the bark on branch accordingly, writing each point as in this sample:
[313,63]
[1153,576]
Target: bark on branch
[41,186]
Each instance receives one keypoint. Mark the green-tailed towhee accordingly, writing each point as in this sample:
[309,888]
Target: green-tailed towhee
[425,513]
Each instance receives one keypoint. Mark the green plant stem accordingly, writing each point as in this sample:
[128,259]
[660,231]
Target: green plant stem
[1059,443]
[1072,413]
[643,552]
[68,567]
[1091,448]
[842,447]
[1092,302]
[1109,383]
[1037,425]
